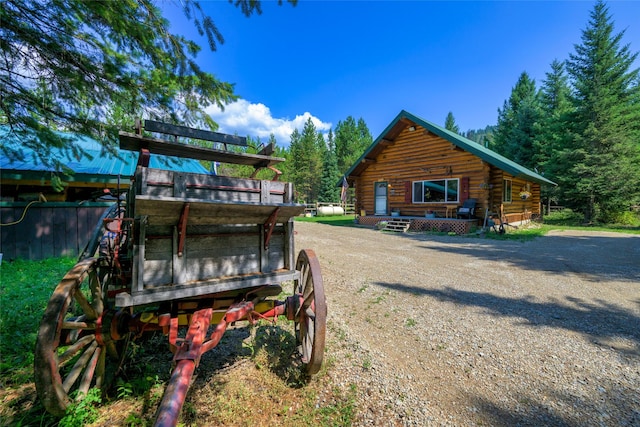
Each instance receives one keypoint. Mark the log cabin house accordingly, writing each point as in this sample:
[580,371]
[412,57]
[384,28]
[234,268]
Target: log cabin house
[418,169]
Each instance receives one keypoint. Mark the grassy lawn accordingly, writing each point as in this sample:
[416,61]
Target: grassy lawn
[339,220]
[567,219]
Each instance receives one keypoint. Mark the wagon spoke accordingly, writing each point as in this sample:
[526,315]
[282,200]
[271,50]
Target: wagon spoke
[96,292]
[88,375]
[82,301]
[79,366]
[100,369]
[310,313]
[311,330]
[78,325]
[72,350]
[308,296]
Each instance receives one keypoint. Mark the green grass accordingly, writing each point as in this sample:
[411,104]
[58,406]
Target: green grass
[339,220]
[562,220]
[520,234]
[567,219]
[25,291]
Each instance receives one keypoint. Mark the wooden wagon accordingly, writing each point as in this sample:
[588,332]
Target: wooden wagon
[182,251]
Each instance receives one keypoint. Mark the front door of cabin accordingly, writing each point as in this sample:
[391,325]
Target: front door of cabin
[380,198]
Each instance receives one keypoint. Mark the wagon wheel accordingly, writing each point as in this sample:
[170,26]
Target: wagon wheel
[74,350]
[311,315]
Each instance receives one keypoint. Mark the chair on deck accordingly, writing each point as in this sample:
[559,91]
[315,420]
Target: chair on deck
[467,210]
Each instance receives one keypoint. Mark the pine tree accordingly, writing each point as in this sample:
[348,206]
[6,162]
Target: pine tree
[552,130]
[364,138]
[306,151]
[329,191]
[64,63]
[516,120]
[603,160]
[450,123]
[351,140]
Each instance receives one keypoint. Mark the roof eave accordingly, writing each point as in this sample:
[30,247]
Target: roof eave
[459,141]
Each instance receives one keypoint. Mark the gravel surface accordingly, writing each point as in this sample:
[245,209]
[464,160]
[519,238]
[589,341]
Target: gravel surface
[448,330]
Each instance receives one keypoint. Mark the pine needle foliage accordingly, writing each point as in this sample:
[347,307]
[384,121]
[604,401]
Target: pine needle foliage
[64,63]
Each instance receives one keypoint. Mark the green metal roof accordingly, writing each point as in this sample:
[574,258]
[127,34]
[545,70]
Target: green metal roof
[101,167]
[405,118]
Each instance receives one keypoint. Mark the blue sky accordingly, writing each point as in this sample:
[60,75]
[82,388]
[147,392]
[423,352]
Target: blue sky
[331,59]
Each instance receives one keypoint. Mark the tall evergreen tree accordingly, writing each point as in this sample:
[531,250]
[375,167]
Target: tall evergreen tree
[365,139]
[552,130]
[516,120]
[351,139]
[329,192]
[305,166]
[450,123]
[603,160]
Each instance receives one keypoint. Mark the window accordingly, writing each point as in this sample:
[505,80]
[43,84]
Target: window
[436,191]
[506,190]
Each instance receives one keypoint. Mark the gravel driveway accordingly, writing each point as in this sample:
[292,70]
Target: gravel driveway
[440,330]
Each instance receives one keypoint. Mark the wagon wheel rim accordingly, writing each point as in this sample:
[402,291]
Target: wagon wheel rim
[311,314]
[74,351]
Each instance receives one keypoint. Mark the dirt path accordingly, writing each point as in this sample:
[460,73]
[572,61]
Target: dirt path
[439,330]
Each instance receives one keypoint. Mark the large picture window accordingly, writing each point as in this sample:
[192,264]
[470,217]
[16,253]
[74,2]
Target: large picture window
[436,191]
[506,190]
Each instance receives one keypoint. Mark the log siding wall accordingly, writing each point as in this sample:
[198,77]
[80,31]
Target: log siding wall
[420,155]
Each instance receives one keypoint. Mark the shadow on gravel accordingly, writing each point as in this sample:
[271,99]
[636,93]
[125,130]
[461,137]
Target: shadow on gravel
[605,324]
[536,412]
[593,257]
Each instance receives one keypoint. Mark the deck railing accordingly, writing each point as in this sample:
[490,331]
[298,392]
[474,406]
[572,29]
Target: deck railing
[312,208]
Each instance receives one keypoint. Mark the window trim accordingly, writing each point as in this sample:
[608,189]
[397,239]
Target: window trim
[505,193]
[446,183]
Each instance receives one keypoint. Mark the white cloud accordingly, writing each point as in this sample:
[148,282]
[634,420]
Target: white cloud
[244,118]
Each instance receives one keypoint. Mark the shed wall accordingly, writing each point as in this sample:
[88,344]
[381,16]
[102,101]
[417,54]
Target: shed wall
[47,229]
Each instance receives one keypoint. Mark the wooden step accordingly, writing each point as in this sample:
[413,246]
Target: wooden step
[399,225]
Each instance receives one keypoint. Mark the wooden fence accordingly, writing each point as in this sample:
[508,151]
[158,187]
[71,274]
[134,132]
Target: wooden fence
[312,208]
[43,230]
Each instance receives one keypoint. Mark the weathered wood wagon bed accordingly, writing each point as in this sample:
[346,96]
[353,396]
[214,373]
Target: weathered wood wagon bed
[182,251]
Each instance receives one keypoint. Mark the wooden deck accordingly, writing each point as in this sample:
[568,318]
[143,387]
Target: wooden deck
[420,223]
